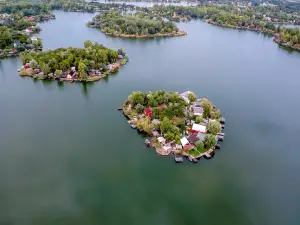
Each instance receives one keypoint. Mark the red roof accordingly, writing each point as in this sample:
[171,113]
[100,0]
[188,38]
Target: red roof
[148,112]
[188,147]
[193,131]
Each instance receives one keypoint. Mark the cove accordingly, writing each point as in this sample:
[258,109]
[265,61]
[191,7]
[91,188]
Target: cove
[68,156]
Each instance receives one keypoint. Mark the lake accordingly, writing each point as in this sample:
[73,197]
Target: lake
[69,157]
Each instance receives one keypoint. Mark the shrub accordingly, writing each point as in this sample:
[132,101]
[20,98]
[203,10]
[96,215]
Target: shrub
[213,127]
[139,108]
[210,141]
[198,119]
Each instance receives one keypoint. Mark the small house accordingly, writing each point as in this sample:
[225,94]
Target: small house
[178,147]
[201,136]
[197,111]
[155,133]
[193,138]
[28,30]
[184,141]
[156,121]
[161,140]
[199,128]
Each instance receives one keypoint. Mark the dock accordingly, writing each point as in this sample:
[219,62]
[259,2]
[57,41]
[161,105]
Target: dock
[178,159]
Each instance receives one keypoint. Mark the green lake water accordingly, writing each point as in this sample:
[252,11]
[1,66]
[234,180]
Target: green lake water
[67,156]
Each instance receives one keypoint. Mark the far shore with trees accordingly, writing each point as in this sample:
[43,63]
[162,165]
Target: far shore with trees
[137,25]
[90,63]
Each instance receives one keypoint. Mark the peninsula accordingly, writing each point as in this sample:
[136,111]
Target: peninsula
[137,25]
[90,63]
[179,124]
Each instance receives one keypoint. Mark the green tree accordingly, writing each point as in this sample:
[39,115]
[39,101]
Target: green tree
[81,71]
[88,44]
[200,146]
[58,73]
[166,125]
[213,127]
[207,107]
[210,141]
[139,108]
[45,68]
[137,98]
[192,97]
[198,119]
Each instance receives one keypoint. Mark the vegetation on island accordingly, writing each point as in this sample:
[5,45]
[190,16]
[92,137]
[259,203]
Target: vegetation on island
[138,24]
[169,116]
[12,42]
[90,63]
[289,37]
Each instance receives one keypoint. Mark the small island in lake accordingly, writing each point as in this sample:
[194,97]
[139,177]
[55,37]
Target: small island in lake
[90,63]
[138,25]
[179,124]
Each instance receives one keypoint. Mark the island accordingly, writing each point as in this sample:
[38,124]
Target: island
[87,64]
[137,25]
[179,124]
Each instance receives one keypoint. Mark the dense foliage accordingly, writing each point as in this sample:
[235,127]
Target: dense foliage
[25,8]
[92,56]
[139,23]
[15,40]
[290,36]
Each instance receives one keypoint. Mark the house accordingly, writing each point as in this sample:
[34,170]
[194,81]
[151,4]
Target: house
[120,57]
[156,121]
[193,138]
[197,111]
[184,141]
[185,96]
[155,133]
[148,112]
[201,136]
[33,39]
[28,30]
[167,149]
[178,147]
[31,18]
[199,128]
[188,147]
[17,43]
[161,140]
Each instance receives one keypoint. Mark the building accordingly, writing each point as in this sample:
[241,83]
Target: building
[199,128]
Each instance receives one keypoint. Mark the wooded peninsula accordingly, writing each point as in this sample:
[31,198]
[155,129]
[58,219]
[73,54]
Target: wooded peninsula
[137,25]
[179,124]
[90,63]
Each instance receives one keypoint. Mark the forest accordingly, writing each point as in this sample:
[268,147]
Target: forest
[138,23]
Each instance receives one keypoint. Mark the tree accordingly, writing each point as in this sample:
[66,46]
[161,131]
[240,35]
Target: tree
[88,44]
[215,114]
[45,68]
[210,140]
[139,108]
[199,145]
[81,71]
[166,125]
[137,98]
[33,64]
[213,127]
[207,107]
[295,39]
[198,119]
[192,97]
[58,73]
